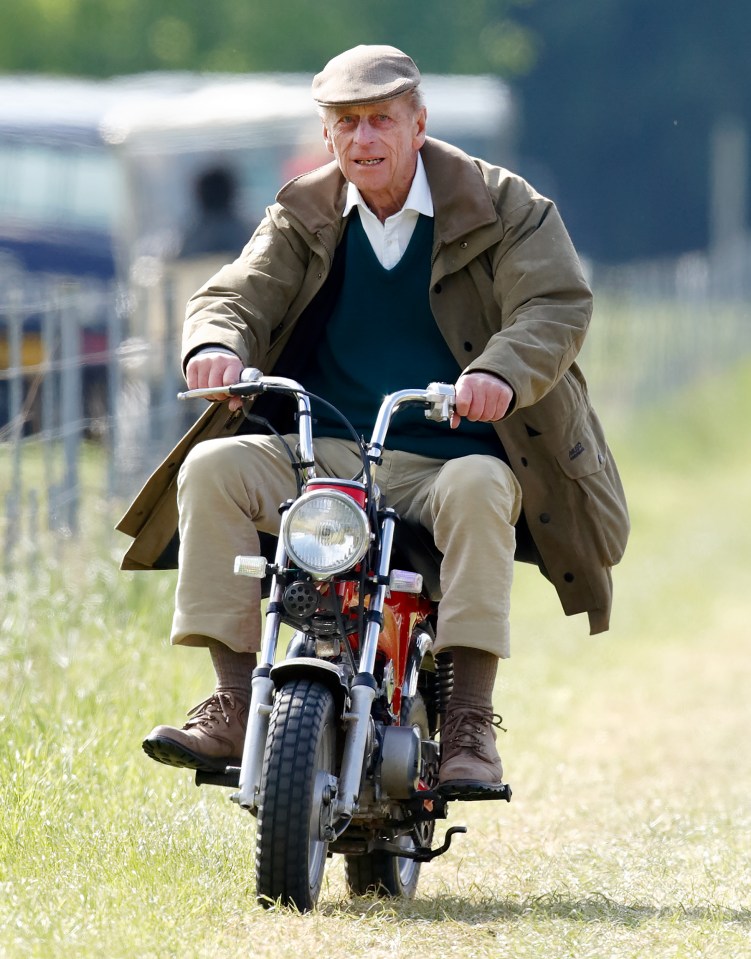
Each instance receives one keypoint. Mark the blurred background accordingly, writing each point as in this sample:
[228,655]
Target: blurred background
[140,142]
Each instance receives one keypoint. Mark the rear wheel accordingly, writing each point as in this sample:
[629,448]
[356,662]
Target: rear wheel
[299,760]
[381,873]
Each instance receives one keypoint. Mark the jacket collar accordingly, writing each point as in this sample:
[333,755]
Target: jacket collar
[460,196]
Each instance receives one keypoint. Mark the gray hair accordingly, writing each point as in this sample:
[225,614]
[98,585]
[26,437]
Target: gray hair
[414,98]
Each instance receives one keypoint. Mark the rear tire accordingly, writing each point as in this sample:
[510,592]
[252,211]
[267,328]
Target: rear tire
[382,874]
[300,749]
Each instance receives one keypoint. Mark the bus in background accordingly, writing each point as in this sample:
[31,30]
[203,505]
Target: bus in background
[99,182]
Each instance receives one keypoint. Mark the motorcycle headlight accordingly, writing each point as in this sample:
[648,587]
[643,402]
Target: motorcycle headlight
[325,532]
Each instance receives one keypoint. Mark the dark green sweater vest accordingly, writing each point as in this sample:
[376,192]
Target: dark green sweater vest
[382,337]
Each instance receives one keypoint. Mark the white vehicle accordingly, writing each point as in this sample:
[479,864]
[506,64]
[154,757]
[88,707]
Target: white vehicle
[117,159]
[98,182]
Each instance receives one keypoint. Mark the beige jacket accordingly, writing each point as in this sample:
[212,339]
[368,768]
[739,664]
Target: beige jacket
[508,295]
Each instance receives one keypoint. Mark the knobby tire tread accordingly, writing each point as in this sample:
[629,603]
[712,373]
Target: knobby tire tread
[299,717]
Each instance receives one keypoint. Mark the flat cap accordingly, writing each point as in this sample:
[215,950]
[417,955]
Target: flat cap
[365,74]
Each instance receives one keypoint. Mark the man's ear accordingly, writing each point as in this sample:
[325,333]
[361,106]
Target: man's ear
[420,128]
[327,139]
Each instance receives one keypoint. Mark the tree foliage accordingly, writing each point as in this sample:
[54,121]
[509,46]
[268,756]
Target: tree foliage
[619,97]
[107,37]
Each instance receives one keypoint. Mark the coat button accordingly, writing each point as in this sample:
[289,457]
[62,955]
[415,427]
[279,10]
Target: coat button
[544,517]
[437,288]
[467,347]
[463,245]
[569,577]
[524,461]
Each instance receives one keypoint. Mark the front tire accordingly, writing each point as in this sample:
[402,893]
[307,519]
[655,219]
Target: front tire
[300,752]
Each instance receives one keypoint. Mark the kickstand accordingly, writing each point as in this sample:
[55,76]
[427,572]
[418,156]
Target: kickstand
[420,853]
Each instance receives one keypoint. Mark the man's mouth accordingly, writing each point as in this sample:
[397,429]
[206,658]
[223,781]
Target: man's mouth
[374,161]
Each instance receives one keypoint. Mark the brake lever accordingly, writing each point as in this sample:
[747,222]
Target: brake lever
[442,400]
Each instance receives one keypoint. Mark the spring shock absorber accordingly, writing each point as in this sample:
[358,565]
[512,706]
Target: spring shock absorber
[444,682]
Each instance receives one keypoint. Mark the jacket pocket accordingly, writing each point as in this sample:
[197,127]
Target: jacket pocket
[586,461]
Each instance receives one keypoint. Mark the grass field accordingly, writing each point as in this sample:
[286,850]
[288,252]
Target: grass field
[630,827]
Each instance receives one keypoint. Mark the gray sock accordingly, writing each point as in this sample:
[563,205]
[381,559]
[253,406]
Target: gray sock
[232,669]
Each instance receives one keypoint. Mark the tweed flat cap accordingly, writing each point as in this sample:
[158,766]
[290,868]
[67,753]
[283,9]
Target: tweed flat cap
[365,74]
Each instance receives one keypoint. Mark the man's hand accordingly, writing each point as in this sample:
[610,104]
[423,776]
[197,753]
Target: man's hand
[214,368]
[481,397]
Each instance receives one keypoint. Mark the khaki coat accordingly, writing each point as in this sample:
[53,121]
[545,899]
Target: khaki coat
[509,297]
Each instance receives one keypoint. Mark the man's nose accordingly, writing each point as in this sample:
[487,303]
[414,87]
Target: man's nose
[364,132]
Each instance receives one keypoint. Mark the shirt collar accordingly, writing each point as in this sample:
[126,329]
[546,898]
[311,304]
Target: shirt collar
[418,199]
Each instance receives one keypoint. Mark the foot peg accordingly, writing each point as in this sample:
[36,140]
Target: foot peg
[229,777]
[468,791]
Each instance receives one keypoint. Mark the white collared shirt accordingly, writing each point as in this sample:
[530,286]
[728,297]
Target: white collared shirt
[391,239]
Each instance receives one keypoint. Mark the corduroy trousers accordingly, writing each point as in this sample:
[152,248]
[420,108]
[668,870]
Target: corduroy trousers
[228,489]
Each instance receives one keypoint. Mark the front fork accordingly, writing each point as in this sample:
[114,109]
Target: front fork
[261,696]
[362,694]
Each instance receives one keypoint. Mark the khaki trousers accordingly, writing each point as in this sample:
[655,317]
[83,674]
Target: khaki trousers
[230,488]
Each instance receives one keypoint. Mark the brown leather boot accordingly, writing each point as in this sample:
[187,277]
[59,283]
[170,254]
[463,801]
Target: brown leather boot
[211,739]
[468,754]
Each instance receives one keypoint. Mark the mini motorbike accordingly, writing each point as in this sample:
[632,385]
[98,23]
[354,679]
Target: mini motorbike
[342,752]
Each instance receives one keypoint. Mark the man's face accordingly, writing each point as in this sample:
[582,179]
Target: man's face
[376,145]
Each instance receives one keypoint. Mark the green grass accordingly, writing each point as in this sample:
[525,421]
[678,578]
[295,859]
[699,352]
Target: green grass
[628,834]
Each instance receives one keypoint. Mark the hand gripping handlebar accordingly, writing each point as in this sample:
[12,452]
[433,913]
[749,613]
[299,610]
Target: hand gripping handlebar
[438,400]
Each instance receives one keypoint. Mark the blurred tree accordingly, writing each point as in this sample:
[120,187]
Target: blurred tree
[107,37]
[619,96]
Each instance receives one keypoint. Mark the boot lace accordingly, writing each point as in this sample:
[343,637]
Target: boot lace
[465,728]
[210,711]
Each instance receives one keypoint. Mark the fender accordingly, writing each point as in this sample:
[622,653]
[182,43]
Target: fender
[307,667]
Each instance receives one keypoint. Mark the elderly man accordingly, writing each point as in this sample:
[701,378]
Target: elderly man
[403,261]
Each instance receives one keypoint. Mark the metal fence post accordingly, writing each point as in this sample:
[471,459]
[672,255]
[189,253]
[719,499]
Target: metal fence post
[71,405]
[50,411]
[117,307]
[15,410]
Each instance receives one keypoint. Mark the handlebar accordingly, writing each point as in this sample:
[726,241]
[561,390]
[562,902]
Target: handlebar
[439,400]
[251,383]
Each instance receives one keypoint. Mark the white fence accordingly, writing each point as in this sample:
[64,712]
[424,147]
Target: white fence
[659,325]
[58,381]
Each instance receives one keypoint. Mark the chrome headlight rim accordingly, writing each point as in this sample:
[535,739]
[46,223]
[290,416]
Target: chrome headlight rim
[356,511]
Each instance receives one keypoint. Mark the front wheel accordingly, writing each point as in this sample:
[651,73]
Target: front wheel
[299,759]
